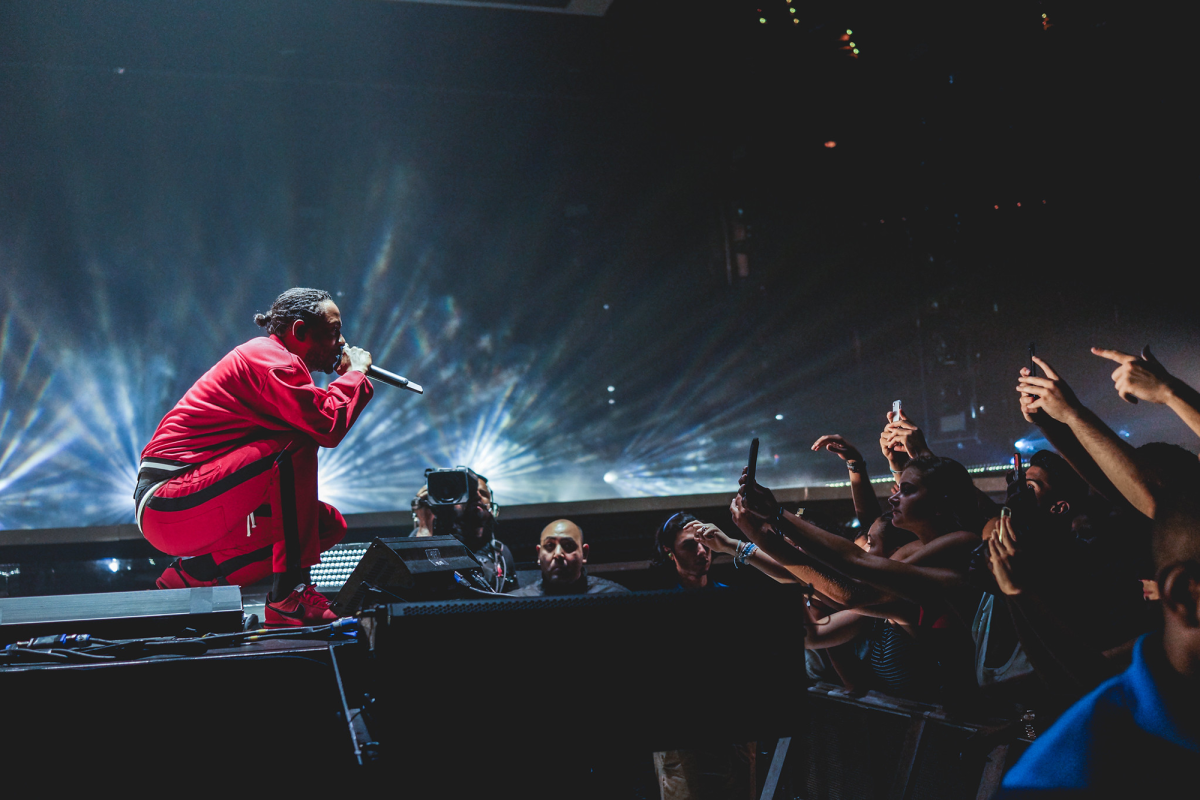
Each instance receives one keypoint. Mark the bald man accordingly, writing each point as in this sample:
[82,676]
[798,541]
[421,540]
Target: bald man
[562,557]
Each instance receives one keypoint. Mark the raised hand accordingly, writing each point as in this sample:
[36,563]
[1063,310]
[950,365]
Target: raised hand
[1003,558]
[757,500]
[1050,394]
[1030,414]
[893,450]
[1139,377]
[905,436]
[747,523]
[838,446]
[712,536]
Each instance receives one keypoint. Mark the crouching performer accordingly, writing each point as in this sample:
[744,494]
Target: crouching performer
[229,481]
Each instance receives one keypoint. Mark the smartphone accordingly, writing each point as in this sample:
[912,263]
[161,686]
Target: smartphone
[895,411]
[1033,370]
[752,463]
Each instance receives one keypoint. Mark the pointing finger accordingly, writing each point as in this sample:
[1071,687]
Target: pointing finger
[1046,368]
[1114,355]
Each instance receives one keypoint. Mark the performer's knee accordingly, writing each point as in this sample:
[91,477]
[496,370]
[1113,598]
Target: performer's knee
[331,525]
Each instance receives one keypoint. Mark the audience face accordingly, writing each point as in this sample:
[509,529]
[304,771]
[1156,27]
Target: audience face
[422,513]
[876,543]
[562,553]
[911,503]
[1048,494]
[1176,545]
[477,517]
[1037,480]
[691,556]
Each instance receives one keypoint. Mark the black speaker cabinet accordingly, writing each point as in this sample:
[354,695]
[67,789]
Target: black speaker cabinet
[411,567]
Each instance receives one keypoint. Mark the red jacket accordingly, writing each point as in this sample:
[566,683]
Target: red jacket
[257,388]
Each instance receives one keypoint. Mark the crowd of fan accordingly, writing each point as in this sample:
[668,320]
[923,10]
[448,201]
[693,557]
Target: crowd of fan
[1081,588]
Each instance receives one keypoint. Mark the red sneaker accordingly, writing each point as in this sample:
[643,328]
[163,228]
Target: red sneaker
[174,577]
[304,606]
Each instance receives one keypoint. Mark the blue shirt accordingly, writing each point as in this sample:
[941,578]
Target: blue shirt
[1121,734]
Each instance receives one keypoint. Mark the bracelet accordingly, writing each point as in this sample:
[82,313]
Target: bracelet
[744,549]
[857,466]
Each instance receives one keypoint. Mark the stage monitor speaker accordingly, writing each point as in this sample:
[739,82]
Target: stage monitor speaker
[123,615]
[650,664]
[409,567]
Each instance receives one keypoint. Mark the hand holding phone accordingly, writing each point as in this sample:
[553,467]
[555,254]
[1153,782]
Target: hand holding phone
[752,462]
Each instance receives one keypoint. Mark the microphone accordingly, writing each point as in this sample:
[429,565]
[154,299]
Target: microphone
[393,379]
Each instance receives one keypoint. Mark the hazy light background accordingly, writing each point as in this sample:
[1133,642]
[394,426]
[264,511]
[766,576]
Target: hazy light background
[537,237]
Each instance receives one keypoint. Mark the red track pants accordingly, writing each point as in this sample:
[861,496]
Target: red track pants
[253,511]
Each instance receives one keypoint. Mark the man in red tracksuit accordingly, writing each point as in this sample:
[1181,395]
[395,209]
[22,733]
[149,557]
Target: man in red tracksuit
[229,480]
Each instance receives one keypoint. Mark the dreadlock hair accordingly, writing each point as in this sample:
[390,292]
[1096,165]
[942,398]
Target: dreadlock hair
[954,493]
[294,304]
[664,539]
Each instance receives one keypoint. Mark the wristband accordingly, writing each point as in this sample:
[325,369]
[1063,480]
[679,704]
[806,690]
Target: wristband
[857,466]
[744,550]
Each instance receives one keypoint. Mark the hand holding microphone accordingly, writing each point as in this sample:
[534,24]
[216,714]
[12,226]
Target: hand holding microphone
[353,358]
[358,359]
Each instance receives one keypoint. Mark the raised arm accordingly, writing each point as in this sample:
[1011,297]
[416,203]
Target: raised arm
[900,441]
[1063,439]
[1113,455]
[918,583]
[866,504]
[1144,378]
[720,542]
[289,395]
[829,582]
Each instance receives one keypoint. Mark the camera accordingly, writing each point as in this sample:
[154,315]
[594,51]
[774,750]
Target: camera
[452,487]
[453,497]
